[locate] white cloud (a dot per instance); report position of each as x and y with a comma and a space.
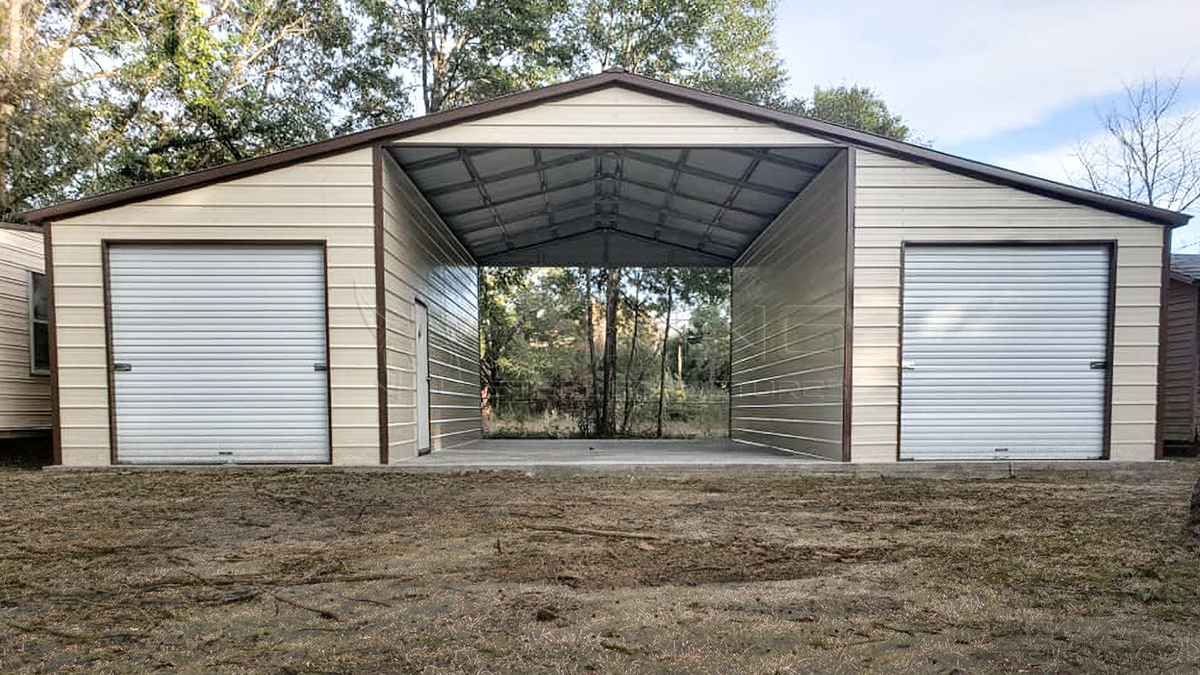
1060, 164
959, 71
1057, 163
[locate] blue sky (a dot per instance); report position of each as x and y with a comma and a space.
1016, 83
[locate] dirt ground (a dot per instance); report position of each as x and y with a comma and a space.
287, 571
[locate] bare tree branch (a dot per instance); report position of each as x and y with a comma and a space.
1150, 151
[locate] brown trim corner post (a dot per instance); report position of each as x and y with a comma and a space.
380, 301
1163, 298
848, 338
55, 415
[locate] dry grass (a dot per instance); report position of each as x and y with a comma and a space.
292, 571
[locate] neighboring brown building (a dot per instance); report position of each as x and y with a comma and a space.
1181, 376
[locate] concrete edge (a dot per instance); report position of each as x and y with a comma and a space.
921, 470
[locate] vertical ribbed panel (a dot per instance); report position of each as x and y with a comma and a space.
1179, 374
789, 313
424, 262
220, 343
1003, 352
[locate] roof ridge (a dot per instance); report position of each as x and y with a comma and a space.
622, 78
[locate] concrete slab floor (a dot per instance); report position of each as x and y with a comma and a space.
681, 459
517, 453
701, 458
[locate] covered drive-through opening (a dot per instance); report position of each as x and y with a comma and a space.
778, 216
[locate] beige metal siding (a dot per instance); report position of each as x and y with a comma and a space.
789, 301
899, 200
328, 199
1180, 369
24, 398
423, 261
614, 116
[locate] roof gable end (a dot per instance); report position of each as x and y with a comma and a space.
617, 80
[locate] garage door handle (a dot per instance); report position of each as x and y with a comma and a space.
908, 365
320, 367
122, 367
1098, 365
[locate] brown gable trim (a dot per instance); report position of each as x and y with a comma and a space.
916, 153
679, 93
22, 227
319, 149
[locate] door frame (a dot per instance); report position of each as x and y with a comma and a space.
1109, 244
105, 246
417, 385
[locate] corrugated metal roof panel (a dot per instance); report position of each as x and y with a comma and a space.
704, 205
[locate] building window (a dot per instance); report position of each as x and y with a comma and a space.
39, 324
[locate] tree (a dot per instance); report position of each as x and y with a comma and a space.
1150, 151
738, 56
608, 365
668, 283
725, 46
462, 52
202, 83
39, 114
856, 107
498, 323
100, 95
633, 376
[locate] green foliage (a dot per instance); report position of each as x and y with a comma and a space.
49, 149
105, 95
212, 83
101, 95
856, 107
724, 46
537, 365
737, 56
462, 52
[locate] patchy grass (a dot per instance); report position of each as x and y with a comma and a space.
291, 571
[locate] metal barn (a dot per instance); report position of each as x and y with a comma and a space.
890, 302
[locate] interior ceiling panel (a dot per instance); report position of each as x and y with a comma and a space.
609, 206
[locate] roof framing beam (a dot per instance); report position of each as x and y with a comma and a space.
603, 222
775, 158
733, 194
465, 157
485, 258
511, 173
586, 181
710, 175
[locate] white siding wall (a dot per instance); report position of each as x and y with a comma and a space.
613, 116
423, 261
24, 398
789, 299
899, 200
328, 199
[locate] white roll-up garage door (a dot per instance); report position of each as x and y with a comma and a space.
219, 353
1004, 352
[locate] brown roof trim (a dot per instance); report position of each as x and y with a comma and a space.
22, 227
676, 92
